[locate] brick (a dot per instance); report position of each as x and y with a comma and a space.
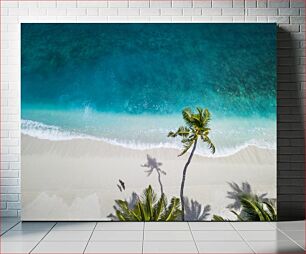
297, 3
160, 19
202, 3
262, 19
108, 11
262, 12
76, 12
14, 205
149, 12
262, 3
278, 3
222, 3
10, 189
202, 19
160, 4
93, 4
9, 197
181, 3
91, 19
9, 213
250, 3
211, 11
172, 11
9, 173
47, 4
139, 4
297, 20
182, 19
222, 19
92, 11
289, 11
38, 11
18, 12
233, 11
128, 12
9, 4
238, 3
118, 4
9, 181
279, 20
66, 4
57, 12
192, 11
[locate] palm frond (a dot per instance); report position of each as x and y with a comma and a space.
187, 146
181, 131
218, 218
188, 116
210, 144
173, 211
148, 208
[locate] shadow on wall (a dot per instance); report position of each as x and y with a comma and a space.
290, 130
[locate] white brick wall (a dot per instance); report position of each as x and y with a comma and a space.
290, 14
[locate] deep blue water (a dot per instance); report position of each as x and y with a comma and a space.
129, 82
151, 68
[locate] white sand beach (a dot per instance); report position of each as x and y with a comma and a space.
77, 179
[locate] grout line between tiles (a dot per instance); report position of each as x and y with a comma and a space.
290, 238
90, 236
193, 238
43, 238
246, 242
143, 232
10, 228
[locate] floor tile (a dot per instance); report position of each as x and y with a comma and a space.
68, 236
273, 235
290, 225
33, 226
63, 226
276, 247
17, 247
252, 225
114, 247
223, 247
211, 226
7, 226
23, 236
99, 236
167, 236
118, 226
297, 235
216, 236
60, 247
169, 247
9, 220
166, 226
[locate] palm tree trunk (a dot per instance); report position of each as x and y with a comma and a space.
183, 179
160, 183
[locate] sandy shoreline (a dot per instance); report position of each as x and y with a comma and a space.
76, 179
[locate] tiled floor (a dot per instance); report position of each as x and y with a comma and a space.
138, 237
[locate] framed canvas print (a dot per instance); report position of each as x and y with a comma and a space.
148, 122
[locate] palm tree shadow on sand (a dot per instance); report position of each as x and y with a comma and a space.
131, 203
194, 211
153, 165
237, 192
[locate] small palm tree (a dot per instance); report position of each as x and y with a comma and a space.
253, 209
196, 127
148, 208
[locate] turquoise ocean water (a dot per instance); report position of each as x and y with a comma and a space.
126, 84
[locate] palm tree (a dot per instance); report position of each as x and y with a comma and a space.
196, 127
148, 208
253, 209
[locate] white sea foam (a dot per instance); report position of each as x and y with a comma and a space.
55, 133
